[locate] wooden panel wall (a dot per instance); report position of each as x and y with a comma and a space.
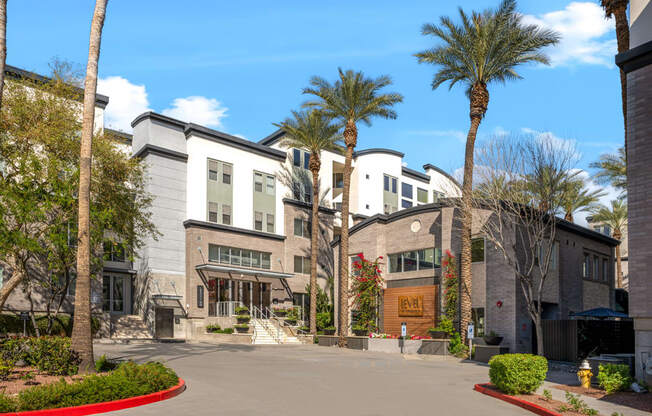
415, 325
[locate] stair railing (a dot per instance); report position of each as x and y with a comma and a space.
261, 317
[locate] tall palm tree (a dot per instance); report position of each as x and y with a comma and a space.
576, 197
82, 341
3, 45
612, 170
485, 48
618, 9
313, 131
353, 98
616, 218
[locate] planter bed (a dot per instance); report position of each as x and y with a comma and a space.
218, 338
531, 402
639, 401
15, 383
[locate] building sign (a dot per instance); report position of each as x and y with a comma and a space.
411, 305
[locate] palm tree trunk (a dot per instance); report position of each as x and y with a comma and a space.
622, 37
350, 139
82, 341
467, 220
314, 245
3, 45
569, 216
619, 269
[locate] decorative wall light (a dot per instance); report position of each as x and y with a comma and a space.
499, 303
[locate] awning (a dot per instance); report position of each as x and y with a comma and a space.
239, 270
600, 313
168, 301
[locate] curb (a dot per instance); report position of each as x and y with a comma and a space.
90, 409
513, 400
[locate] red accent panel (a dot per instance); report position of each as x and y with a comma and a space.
534, 408
91, 409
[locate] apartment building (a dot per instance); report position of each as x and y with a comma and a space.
235, 219
413, 240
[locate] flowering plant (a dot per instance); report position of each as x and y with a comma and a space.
383, 336
367, 287
451, 285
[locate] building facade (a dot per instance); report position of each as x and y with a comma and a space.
412, 241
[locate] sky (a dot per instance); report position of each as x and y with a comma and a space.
239, 67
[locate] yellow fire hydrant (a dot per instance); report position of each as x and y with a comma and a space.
584, 374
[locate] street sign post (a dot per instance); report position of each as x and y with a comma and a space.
24, 316
469, 335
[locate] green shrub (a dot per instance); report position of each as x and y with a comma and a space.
614, 377
243, 319
518, 373
128, 380
241, 326
6, 367
226, 331
61, 325
103, 364
14, 349
304, 329
241, 310
213, 328
323, 319
51, 355
292, 314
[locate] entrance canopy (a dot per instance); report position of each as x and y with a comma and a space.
234, 272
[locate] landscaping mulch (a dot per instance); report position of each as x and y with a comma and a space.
15, 384
552, 404
638, 401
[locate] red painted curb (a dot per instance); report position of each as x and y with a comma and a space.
534, 408
91, 409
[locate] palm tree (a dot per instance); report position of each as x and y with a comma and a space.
3, 44
315, 132
576, 197
353, 98
616, 218
612, 170
82, 341
618, 9
485, 48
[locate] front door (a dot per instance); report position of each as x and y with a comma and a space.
164, 323
116, 292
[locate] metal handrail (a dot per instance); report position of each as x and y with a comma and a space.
258, 315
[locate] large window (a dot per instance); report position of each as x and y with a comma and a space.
422, 196
605, 270
219, 192
586, 266
408, 261
114, 251
406, 190
301, 227
553, 255
296, 157
239, 257
338, 180
302, 265
477, 250
596, 268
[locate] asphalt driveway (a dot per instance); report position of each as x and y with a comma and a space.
311, 380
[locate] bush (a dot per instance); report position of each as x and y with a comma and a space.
61, 325
304, 329
128, 380
6, 367
213, 328
226, 331
614, 377
103, 364
51, 355
323, 320
241, 310
518, 373
241, 326
243, 319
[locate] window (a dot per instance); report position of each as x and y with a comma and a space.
200, 296
212, 212
422, 196
478, 321
553, 255
389, 183
270, 185
424, 259
258, 182
436, 196
605, 270
226, 174
306, 160
302, 227
405, 203
596, 268
212, 170
258, 221
586, 266
394, 185
270, 223
338, 180
477, 250
113, 251
296, 157
406, 190
226, 214
238, 257
337, 206
386, 183
352, 260
302, 265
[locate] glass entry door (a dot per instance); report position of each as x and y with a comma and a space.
114, 294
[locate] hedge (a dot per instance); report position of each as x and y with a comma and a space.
61, 325
51, 355
517, 373
614, 377
128, 380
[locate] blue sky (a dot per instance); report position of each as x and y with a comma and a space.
239, 67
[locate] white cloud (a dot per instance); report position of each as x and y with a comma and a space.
557, 142
197, 109
126, 101
587, 36
459, 135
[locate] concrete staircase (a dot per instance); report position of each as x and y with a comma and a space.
129, 327
267, 333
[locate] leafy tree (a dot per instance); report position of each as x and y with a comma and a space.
352, 99
313, 131
612, 170
616, 218
576, 197
82, 339
485, 48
